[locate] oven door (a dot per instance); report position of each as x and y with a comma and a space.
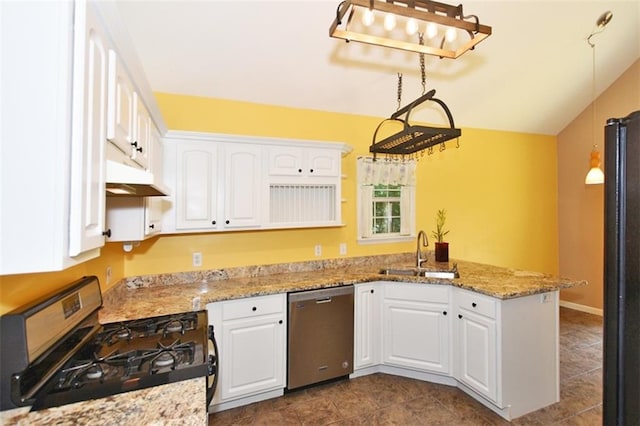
212, 380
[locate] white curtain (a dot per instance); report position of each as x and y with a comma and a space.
385, 172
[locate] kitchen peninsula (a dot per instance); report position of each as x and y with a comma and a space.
492, 332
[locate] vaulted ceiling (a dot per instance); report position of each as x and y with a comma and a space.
532, 75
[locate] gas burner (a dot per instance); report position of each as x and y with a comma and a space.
164, 359
174, 326
95, 372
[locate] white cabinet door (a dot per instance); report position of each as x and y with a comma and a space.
120, 123
476, 352
252, 353
303, 162
141, 143
87, 200
476, 342
242, 186
251, 339
196, 188
367, 325
323, 162
415, 327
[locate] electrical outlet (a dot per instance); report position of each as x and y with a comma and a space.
318, 250
197, 258
108, 275
343, 248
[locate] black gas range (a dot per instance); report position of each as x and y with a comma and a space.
54, 351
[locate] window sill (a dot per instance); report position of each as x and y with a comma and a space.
386, 240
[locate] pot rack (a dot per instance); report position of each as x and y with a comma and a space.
414, 138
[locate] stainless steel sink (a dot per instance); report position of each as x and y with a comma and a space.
421, 272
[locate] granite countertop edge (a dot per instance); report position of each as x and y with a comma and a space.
162, 294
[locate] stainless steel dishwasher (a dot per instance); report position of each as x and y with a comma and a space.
320, 335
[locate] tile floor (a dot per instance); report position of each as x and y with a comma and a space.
385, 399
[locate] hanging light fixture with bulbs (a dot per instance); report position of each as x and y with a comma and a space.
595, 175
375, 22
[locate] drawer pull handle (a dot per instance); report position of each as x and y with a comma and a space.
324, 300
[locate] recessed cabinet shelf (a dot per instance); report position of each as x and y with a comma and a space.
295, 204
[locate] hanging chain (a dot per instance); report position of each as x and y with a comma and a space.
422, 66
399, 90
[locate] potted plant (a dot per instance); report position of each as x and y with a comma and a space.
442, 248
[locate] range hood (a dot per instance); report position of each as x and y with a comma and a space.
126, 181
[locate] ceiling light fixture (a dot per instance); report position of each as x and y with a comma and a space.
415, 17
595, 175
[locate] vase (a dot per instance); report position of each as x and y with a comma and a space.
442, 252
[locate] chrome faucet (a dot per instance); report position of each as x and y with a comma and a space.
425, 243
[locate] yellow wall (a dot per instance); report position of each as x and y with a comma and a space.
17, 290
581, 207
501, 209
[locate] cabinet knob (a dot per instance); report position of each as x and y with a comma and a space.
460, 316
254, 309
152, 226
474, 304
444, 312
280, 322
226, 221
213, 222
107, 233
310, 170
371, 291
134, 144
299, 170
139, 149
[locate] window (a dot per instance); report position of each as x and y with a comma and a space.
386, 200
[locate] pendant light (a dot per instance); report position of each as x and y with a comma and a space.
595, 175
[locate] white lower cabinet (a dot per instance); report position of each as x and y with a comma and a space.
476, 344
504, 353
367, 333
415, 327
251, 336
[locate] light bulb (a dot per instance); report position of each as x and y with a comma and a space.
451, 34
389, 22
412, 26
368, 17
432, 30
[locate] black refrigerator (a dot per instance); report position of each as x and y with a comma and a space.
621, 334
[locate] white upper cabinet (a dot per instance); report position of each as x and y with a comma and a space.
242, 186
196, 186
309, 162
87, 201
55, 73
224, 182
121, 106
129, 124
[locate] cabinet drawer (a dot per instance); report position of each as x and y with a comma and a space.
252, 306
417, 292
474, 302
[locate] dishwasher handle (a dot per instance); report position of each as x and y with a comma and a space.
324, 295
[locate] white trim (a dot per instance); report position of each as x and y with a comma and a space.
384, 240
582, 308
223, 137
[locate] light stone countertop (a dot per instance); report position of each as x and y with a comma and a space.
152, 295
182, 403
